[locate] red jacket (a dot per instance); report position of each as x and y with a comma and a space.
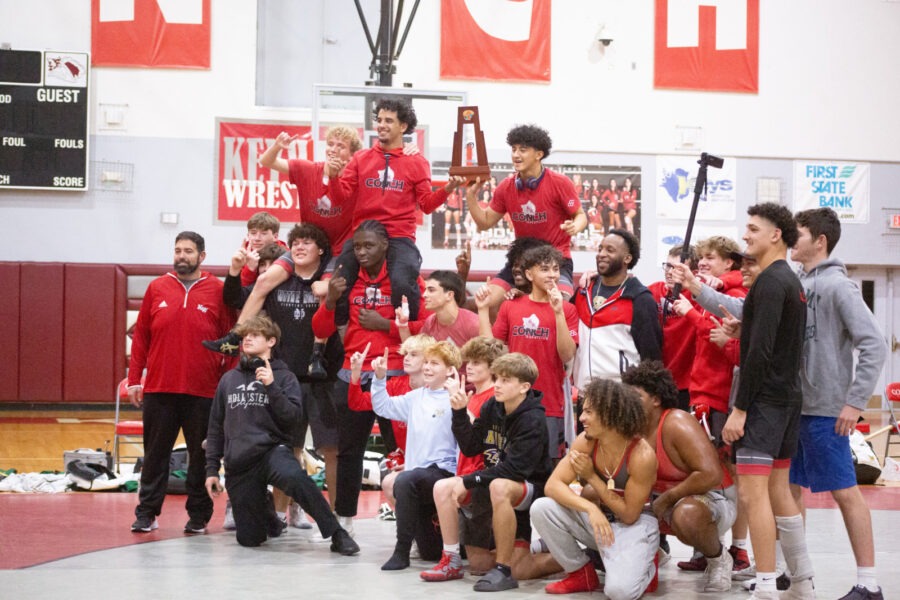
391, 199
170, 326
679, 337
711, 373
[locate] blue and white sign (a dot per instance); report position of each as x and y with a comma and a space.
843, 187
675, 180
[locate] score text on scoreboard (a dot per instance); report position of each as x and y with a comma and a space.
44, 119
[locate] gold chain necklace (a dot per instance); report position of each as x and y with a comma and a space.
610, 484
599, 300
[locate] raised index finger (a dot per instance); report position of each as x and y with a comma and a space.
365, 351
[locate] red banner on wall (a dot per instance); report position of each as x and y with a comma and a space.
151, 33
243, 187
708, 45
499, 40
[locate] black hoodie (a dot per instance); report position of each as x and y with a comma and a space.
248, 418
514, 446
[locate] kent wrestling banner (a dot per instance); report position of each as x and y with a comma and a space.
242, 186
151, 33
497, 40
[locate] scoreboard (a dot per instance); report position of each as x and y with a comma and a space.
44, 119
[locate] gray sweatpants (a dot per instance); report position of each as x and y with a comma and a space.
628, 562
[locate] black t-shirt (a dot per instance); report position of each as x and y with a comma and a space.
772, 331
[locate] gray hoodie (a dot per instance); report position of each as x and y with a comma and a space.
837, 322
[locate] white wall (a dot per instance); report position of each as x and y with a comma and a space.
828, 89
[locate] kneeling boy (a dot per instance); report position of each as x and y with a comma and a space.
255, 408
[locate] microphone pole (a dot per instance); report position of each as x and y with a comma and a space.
706, 160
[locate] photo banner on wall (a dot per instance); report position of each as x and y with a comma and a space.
242, 186
610, 195
151, 33
841, 186
675, 180
710, 45
496, 40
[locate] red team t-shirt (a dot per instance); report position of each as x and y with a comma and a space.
529, 327
538, 213
315, 205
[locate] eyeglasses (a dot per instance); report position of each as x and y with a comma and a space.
667, 266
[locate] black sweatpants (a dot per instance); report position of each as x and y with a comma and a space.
415, 510
247, 492
354, 428
164, 415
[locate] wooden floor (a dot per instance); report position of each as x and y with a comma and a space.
35, 440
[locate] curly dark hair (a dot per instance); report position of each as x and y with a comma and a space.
633, 243
779, 216
655, 379
530, 136
308, 231
544, 254
518, 247
618, 406
821, 221
405, 112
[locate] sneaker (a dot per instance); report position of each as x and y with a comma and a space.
144, 525
697, 563
229, 344
317, 364
664, 553
342, 543
449, 568
782, 582
495, 580
195, 526
386, 513
741, 559
228, 524
583, 580
860, 592
718, 573
745, 573
297, 517
800, 590
414, 553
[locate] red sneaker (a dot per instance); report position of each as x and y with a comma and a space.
697, 563
741, 558
583, 580
448, 569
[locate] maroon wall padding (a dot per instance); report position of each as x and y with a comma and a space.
89, 333
41, 332
119, 325
9, 331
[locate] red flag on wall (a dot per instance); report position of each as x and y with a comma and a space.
708, 45
499, 40
151, 33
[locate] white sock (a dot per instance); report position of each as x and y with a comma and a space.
742, 544
280, 515
780, 564
451, 548
865, 576
765, 582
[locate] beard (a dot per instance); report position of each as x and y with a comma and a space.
614, 267
186, 268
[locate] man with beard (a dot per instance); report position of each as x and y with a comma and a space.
179, 310
618, 322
